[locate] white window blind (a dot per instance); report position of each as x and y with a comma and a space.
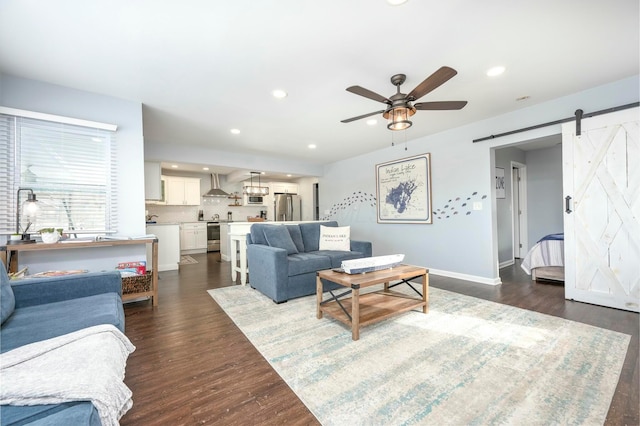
71, 169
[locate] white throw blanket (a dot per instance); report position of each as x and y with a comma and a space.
86, 365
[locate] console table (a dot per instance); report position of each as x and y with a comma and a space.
9, 255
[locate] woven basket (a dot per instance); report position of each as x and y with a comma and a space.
136, 284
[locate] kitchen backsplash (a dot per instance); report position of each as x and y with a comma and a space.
210, 208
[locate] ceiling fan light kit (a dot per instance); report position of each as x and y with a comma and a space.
400, 107
399, 118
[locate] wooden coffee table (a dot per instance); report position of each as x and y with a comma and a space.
359, 310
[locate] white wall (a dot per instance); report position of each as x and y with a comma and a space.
545, 204
464, 244
51, 99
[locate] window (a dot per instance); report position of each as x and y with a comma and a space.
69, 164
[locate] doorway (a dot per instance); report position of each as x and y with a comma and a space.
316, 202
519, 209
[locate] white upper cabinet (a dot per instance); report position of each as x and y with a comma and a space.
284, 188
152, 172
182, 191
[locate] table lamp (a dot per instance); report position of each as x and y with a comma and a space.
29, 209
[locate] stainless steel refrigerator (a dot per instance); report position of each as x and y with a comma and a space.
287, 207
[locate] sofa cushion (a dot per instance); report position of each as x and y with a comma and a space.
296, 236
34, 323
337, 256
335, 238
303, 263
311, 234
278, 236
7, 299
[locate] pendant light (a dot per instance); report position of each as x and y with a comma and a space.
256, 190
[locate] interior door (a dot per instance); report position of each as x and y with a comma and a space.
518, 209
601, 175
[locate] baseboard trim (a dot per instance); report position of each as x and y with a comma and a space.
506, 263
474, 278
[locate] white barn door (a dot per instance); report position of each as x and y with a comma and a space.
602, 230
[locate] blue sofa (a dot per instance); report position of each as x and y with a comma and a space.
36, 309
281, 271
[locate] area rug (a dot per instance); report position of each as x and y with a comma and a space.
468, 361
187, 260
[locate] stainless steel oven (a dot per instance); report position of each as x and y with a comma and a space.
213, 236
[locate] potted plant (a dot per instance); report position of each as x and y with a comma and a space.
50, 235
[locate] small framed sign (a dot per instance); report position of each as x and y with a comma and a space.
500, 188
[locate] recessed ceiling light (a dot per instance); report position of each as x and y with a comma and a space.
396, 2
495, 71
174, 166
279, 94
311, 146
288, 175
205, 168
372, 122
235, 131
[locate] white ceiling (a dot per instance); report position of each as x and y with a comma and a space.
203, 67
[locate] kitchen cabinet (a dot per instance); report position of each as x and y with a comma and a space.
284, 188
182, 191
193, 237
163, 192
152, 172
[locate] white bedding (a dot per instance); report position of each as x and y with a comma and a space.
544, 253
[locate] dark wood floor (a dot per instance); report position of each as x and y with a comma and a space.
193, 366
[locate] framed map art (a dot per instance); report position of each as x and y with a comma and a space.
403, 190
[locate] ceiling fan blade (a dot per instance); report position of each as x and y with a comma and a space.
368, 94
349, 120
432, 82
444, 105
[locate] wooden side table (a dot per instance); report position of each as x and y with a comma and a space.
9, 255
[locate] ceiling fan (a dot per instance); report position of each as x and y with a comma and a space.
399, 106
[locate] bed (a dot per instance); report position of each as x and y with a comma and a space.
545, 260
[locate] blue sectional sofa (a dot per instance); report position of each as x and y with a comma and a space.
36, 309
283, 265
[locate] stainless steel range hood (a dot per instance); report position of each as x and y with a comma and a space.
215, 190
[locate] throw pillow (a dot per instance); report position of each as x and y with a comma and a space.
335, 238
278, 236
296, 236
